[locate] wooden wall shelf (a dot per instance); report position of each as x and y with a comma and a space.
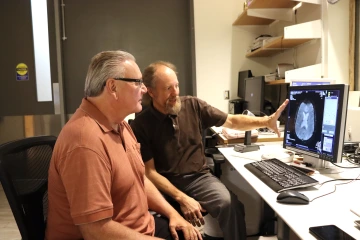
277, 82
277, 46
244, 19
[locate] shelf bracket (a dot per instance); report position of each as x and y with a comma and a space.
284, 14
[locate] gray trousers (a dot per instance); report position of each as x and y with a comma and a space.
217, 200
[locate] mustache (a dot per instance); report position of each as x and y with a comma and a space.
177, 98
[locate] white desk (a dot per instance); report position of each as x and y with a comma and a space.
330, 209
261, 137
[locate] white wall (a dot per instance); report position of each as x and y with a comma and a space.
220, 48
337, 20
213, 32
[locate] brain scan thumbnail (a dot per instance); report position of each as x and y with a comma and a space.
305, 121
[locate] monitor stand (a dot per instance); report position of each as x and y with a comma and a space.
247, 146
320, 165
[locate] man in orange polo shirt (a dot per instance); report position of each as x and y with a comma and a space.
97, 187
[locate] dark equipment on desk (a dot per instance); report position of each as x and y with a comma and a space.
279, 176
292, 197
247, 146
241, 83
329, 232
237, 106
350, 147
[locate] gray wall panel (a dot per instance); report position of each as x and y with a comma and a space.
150, 30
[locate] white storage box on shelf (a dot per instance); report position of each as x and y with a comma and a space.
270, 77
312, 29
312, 71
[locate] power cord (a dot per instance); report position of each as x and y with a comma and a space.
349, 160
342, 179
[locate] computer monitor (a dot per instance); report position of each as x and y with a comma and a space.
315, 123
311, 81
254, 94
241, 82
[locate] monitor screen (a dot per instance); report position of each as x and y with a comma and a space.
310, 82
241, 82
315, 121
254, 94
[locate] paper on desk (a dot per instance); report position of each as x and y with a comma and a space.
257, 155
232, 134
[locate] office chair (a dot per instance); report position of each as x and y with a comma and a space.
24, 166
213, 156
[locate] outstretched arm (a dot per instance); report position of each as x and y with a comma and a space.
243, 122
189, 206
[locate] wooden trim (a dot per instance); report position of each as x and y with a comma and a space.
272, 4
29, 125
277, 82
352, 44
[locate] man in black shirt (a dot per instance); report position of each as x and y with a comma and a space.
170, 134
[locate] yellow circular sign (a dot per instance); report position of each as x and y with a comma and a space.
21, 69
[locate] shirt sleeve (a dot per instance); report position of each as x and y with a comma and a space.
209, 115
141, 136
87, 182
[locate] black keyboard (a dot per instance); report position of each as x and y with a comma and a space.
279, 176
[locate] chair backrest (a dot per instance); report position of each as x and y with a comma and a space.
24, 166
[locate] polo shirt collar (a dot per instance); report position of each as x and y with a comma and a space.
96, 114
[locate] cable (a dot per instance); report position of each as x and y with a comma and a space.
340, 179
351, 158
343, 167
352, 180
295, 49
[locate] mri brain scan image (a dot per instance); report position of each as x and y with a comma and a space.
305, 121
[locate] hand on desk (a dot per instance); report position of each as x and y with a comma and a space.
192, 211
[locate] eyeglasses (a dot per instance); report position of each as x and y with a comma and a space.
138, 82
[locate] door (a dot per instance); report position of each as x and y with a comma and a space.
21, 114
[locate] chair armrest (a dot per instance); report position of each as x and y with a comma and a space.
218, 158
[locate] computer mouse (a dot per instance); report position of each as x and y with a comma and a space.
292, 197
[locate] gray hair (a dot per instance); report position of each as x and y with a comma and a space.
105, 65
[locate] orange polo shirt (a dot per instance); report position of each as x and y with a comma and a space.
96, 173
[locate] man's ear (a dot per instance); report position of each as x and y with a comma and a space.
150, 92
111, 87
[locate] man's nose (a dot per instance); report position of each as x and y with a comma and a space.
174, 91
